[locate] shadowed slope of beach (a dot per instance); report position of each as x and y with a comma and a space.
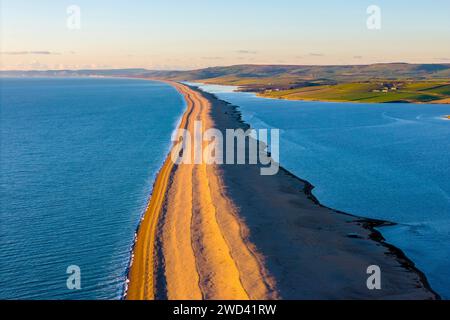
226, 232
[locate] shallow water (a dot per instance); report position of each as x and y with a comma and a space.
384, 161
78, 159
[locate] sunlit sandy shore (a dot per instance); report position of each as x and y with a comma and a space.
226, 232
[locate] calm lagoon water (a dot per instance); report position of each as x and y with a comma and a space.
78, 160
384, 161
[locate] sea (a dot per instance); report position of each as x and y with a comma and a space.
384, 161
78, 158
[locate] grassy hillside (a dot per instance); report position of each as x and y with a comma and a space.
391, 71
393, 82
409, 91
396, 82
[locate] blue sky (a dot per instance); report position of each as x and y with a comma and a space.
182, 34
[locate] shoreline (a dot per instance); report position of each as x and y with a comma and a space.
376, 235
176, 126
149, 221
261, 95
149, 262
443, 102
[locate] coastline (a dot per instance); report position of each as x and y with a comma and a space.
287, 98
135, 290
176, 126
443, 102
349, 242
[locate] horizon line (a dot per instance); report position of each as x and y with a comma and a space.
225, 66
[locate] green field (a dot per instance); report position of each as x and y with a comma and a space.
381, 92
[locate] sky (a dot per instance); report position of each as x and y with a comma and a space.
191, 34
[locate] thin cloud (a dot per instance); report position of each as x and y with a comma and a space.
18, 53
357, 57
212, 58
246, 52
442, 59
315, 54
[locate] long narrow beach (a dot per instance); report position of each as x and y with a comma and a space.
226, 232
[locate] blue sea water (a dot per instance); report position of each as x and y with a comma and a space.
77, 163
383, 161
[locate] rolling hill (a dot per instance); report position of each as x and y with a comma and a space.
387, 82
